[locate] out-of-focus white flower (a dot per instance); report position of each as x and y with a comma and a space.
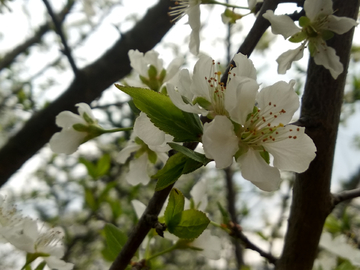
205, 93
192, 9
199, 198
339, 246
149, 144
318, 25
151, 69
209, 244
252, 134
76, 129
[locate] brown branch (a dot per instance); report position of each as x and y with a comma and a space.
320, 114
9, 58
237, 233
59, 31
345, 195
90, 83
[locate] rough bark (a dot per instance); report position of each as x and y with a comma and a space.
320, 114
88, 85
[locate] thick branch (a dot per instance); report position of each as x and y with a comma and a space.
320, 114
9, 58
59, 31
90, 83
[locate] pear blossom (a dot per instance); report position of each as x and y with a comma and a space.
318, 25
76, 129
151, 68
149, 144
205, 94
192, 9
250, 135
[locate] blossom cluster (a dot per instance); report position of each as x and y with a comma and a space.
25, 234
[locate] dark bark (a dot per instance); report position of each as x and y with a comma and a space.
88, 85
320, 114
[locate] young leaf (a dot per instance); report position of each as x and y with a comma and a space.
175, 166
190, 153
91, 168
115, 240
103, 165
164, 114
188, 224
175, 205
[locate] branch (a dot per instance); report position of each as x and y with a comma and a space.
87, 86
6, 60
345, 195
237, 233
59, 31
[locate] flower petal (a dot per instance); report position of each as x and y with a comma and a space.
173, 68
138, 171
139, 208
244, 67
152, 58
281, 24
202, 71
220, 142
240, 98
85, 108
292, 154
210, 244
279, 102
285, 60
255, 169
326, 56
138, 63
339, 25
198, 193
316, 8
126, 152
194, 22
55, 263
146, 131
67, 119
67, 141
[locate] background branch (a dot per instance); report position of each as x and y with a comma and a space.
345, 195
9, 58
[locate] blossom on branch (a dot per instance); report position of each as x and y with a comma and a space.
149, 144
318, 26
76, 129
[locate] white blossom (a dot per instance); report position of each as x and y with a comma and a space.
149, 144
263, 131
68, 140
318, 26
192, 9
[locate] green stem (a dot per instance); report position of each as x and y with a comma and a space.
223, 4
117, 130
219, 226
162, 252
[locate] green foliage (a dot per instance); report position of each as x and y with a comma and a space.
190, 153
175, 205
164, 114
115, 240
99, 169
176, 165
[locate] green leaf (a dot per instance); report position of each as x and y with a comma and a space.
188, 224
115, 240
40, 266
224, 213
333, 225
163, 113
175, 205
190, 153
175, 166
91, 168
103, 165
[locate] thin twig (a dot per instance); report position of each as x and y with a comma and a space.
59, 31
345, 195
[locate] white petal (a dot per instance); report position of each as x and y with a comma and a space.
278, 97
339, 25
209, 243
146, 131
285, 60
137, 62
202, 72
55, 263
67, 119
138, 171
292, 154
240, 98
173, 68
255, 169
326, 56
126, 152
244, 66
314, 8
152, 58
85, 108
198, 193
194, 22
281, 24
139, 208
67, 141
220, 142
